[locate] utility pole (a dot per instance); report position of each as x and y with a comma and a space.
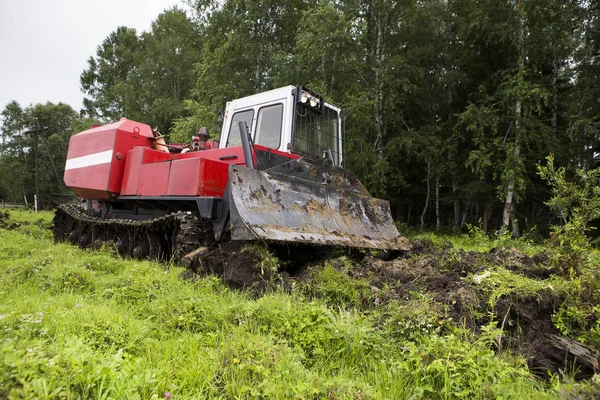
37, 173
60, 182
36, 197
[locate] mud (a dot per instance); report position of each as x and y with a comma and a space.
447, 274
240, 268
526, 321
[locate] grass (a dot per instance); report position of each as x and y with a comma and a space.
475, 240
80, 325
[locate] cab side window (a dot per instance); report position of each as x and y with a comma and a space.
268, 131
233, 137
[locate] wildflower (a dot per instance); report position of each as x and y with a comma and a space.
236, 361
77, 305
168, 395
405, 348
377, 300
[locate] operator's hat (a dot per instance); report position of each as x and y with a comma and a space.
203, 132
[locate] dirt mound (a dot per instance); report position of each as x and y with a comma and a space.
405, 276
526, 319
517, 261
453, 277
533, 335
248, 267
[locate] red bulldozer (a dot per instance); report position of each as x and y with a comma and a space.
274, 175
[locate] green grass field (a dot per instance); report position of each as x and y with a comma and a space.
76, 324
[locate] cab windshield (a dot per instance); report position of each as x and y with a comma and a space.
316, 133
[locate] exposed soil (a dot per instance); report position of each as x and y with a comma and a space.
238, 267
526, 319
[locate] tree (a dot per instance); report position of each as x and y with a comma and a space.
146, 77
514, 118
165, 75
247, 45
17, 154
107, 83
446, 102
584, 112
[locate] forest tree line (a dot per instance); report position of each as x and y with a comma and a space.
449, 105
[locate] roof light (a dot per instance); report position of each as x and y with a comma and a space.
304, 97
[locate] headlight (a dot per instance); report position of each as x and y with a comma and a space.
309, 100
304, 97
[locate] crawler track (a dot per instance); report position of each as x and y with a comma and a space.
168, 237
183, 238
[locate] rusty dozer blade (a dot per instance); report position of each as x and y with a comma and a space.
308, 202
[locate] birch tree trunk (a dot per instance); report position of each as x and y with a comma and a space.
437, 203
555, 72
456, 223
510, 189
510, 185
515, 223
379, 85
427, 198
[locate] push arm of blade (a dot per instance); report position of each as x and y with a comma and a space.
246, 144
258, 158
220, 224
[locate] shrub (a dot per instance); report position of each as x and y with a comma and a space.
577, 203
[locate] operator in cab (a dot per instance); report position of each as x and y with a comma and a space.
201, 141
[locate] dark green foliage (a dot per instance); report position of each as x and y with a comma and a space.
576, 202
464, 96
17, 155
106, 79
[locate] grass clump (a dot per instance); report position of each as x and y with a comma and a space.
411, 319
333, 283
498, 282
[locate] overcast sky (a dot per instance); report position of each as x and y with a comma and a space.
45, 44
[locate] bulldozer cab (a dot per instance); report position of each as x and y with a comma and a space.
291, 119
